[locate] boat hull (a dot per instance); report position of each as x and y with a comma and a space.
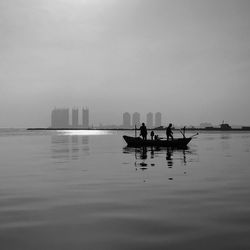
139, 142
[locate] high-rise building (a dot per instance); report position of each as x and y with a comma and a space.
149, 121
126, 120
60, 118
85, 118
75, 120
157, 119
136, 119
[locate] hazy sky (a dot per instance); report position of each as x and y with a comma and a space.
188, 59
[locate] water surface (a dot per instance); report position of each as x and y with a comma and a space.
87, 190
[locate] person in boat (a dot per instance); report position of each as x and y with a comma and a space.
152, 135
169, 132
144, 131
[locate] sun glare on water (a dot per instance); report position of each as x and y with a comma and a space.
85, 132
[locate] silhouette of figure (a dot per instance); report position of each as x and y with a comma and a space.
144, 132
152, 135
169, 132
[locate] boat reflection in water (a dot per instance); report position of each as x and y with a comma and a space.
146, 157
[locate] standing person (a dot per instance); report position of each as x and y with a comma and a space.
144, 131
169, 132
152, 135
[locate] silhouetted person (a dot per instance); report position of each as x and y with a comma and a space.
144, 131
152, 135
169, 132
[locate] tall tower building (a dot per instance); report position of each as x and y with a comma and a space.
158, 119
126, 120
75, 120
136, 119
149, 121
53, 118
85, 118
60, 118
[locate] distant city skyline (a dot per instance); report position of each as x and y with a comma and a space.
63, 118
71, 117
67, 117
187, 59
130, 120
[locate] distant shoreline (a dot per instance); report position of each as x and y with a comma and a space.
155, 129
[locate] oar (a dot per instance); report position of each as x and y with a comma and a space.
194, 135
182, 134
183, 131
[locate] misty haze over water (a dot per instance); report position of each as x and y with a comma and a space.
187, 59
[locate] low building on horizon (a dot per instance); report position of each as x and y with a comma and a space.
205, 124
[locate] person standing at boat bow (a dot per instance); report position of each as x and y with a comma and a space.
169, 132
144, 131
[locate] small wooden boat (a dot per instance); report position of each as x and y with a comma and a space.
139, 142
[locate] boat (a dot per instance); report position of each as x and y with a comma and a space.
139, 142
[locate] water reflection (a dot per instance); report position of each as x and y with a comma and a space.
74, 147
153, 156
169, 157
225, 136
225, 142
60, 147
66, 147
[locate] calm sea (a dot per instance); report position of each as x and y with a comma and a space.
86, 190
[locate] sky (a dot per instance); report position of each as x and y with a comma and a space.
188, 59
